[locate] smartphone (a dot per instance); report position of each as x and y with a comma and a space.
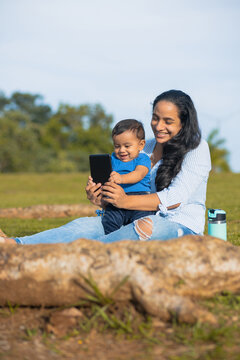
100, 167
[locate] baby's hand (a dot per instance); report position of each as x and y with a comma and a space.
115, 177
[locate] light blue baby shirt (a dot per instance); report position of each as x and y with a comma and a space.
188, 188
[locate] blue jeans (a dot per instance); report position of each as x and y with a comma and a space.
91, 228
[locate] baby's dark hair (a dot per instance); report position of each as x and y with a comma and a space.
129, 125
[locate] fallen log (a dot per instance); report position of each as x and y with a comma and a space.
164, 278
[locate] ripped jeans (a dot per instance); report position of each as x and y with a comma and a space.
152, 227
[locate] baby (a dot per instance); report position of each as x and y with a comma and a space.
131, 169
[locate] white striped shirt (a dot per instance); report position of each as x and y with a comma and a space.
188, 188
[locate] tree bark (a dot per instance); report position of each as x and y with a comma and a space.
164, 278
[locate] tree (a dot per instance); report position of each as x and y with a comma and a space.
98, 118
18, 145
33, 138
3, 101
219, 155
31, 105
83, 128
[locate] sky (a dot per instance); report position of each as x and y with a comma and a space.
122, 54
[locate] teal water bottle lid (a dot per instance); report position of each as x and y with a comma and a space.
216, 214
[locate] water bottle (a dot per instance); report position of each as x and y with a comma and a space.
217, 225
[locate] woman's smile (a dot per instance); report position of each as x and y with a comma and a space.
161, 135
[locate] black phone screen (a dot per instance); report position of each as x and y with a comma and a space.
100, 167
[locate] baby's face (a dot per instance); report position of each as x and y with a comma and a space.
127, 146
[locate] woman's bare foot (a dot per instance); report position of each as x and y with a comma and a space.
6, 240
2, 234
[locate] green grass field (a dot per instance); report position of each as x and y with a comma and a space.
20, 190
199, 341
224, 193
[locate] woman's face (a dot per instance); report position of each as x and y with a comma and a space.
165, 121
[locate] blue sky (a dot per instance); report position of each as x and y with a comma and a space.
123, 54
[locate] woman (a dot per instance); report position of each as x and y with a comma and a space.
180, 168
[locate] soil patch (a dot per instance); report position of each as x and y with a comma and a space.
48, 211
35, 333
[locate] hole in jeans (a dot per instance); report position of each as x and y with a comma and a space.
180, 232
143, 228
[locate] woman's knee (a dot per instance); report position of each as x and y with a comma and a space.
144, 228
156, 228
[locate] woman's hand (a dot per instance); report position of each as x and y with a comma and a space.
94, 192
114, 194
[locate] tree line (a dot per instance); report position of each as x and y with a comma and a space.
34, 138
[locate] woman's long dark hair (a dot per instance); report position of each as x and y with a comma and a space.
187, 138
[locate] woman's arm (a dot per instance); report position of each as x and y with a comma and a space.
117, 197
193, 174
